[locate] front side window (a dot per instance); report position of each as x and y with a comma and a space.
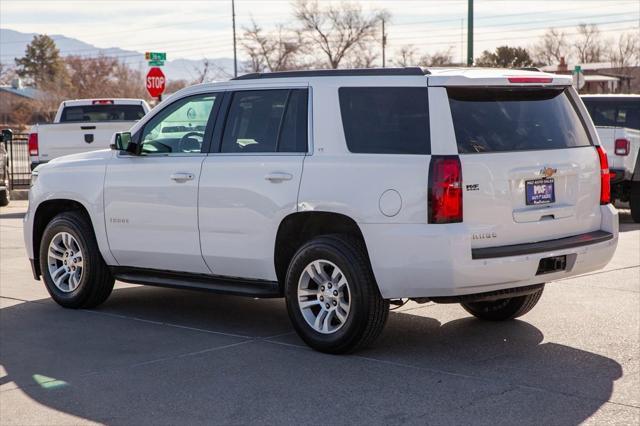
180, 127
385, 120
261, 121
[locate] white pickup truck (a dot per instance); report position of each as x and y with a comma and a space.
617, 120
83, 125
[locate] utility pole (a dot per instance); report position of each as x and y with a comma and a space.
384, 45
470, 34
235, 58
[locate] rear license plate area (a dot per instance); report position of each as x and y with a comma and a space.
549, 265
539, 191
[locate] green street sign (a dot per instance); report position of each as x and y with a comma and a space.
156, 63
577, 69
155, 56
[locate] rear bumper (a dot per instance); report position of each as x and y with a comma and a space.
437, 261
572, 242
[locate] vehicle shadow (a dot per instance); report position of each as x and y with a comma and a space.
125, 363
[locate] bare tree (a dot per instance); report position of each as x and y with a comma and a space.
7, 74
406, 56
588, 44
364, 55
209, 71
441, 58
336, 30
627, 50
275, 51
552, 46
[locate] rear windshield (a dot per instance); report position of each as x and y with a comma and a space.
102, 113
385, 120
614, 112
501, 119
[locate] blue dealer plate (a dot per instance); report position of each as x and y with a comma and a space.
539, 191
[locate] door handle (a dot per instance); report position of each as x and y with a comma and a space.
278, 176
182, 177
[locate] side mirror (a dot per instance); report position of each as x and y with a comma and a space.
6, 135
124, 142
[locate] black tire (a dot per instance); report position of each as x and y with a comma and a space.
96, 282
503, 309
368, 310
5, 196
634, 201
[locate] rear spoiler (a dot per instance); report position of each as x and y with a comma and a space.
513, 78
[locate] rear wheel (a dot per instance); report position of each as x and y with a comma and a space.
634, 201
332, 297
503, 309
72, 267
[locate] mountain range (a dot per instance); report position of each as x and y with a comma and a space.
13, 45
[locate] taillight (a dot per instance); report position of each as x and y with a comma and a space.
622, 147
102, 102
33, 144
605, 178
445, 189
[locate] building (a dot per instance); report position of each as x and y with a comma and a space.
17, 104
601, 77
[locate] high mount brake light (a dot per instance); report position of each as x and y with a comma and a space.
622, 147
530, 79
102, 102
33, 144
605, 177
445, 189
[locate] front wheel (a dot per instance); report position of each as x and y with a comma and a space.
332, 297
72, 267
503, 309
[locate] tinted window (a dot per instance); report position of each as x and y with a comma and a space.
614, 112
254, 121
179, 127
385, 120
293, 134
102, 113
499, 119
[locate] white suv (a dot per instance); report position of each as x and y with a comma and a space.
341, 190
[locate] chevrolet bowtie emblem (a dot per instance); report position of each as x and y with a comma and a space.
548, 171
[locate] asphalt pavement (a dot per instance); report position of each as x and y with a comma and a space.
153, 356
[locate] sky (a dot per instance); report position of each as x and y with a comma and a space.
202, 28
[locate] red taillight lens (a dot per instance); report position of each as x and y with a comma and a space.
530, 79
605, 178
622, 147
445, 189
33, 144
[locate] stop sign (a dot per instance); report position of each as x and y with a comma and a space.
155, 82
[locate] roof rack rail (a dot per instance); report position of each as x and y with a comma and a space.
336, 73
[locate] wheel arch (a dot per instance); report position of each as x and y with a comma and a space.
43, 215
300, 227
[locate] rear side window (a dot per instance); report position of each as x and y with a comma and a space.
501, 119
385, 120
266, 121
614, 112
97, 113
